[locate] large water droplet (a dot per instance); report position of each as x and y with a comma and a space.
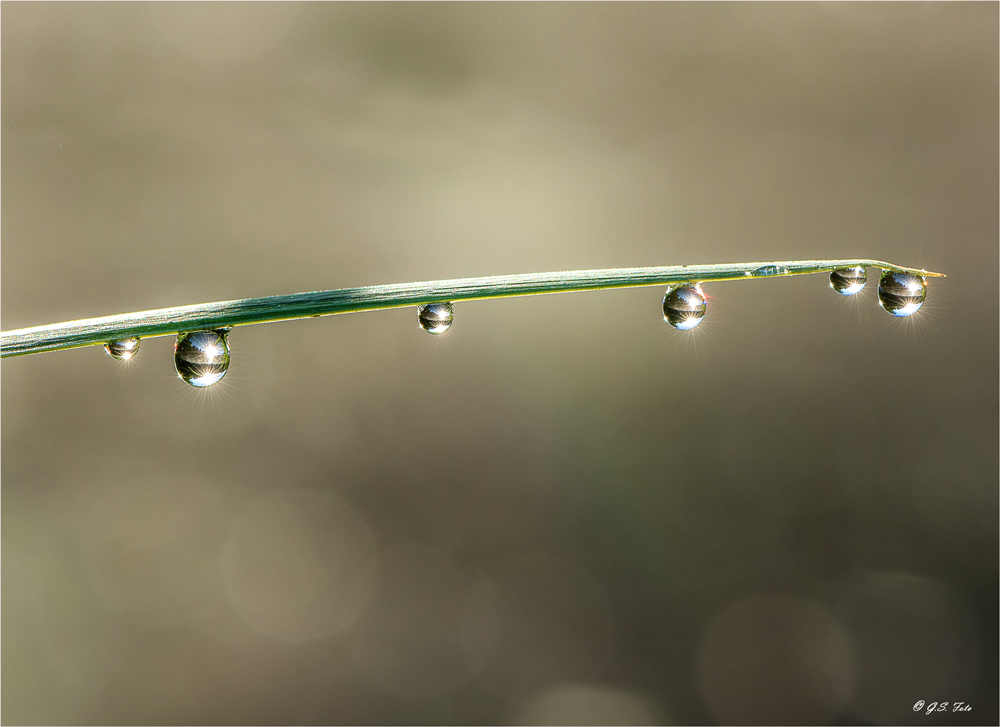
684, 306
122, 349
849, 281
901, 294
435, 317
202, 357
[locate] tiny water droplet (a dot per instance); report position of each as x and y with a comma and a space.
435, 317
684, 306
767, 270
849, 281
202, 357
122, 349
901, 294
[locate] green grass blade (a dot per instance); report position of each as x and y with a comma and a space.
170, 321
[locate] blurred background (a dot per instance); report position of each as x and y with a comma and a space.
562, 511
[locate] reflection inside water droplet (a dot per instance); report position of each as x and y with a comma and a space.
435, 317
122, 349
901, 294
684, 306
202, 357
849, 281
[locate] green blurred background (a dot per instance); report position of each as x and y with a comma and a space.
563, 511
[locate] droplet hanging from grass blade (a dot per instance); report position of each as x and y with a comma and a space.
901, 294
684, 306
123, 349
201, 358
849, 281
435, 318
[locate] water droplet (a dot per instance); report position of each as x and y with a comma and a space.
435, 317
767, 270
684, 306
901, 294
849, 281
202, 357
122, 349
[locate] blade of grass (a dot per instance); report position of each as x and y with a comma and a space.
169, 321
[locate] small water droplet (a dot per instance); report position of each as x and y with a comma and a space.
122, 349
202, 357
767, 270
435, 317
901, 294
849, 281
684, 306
